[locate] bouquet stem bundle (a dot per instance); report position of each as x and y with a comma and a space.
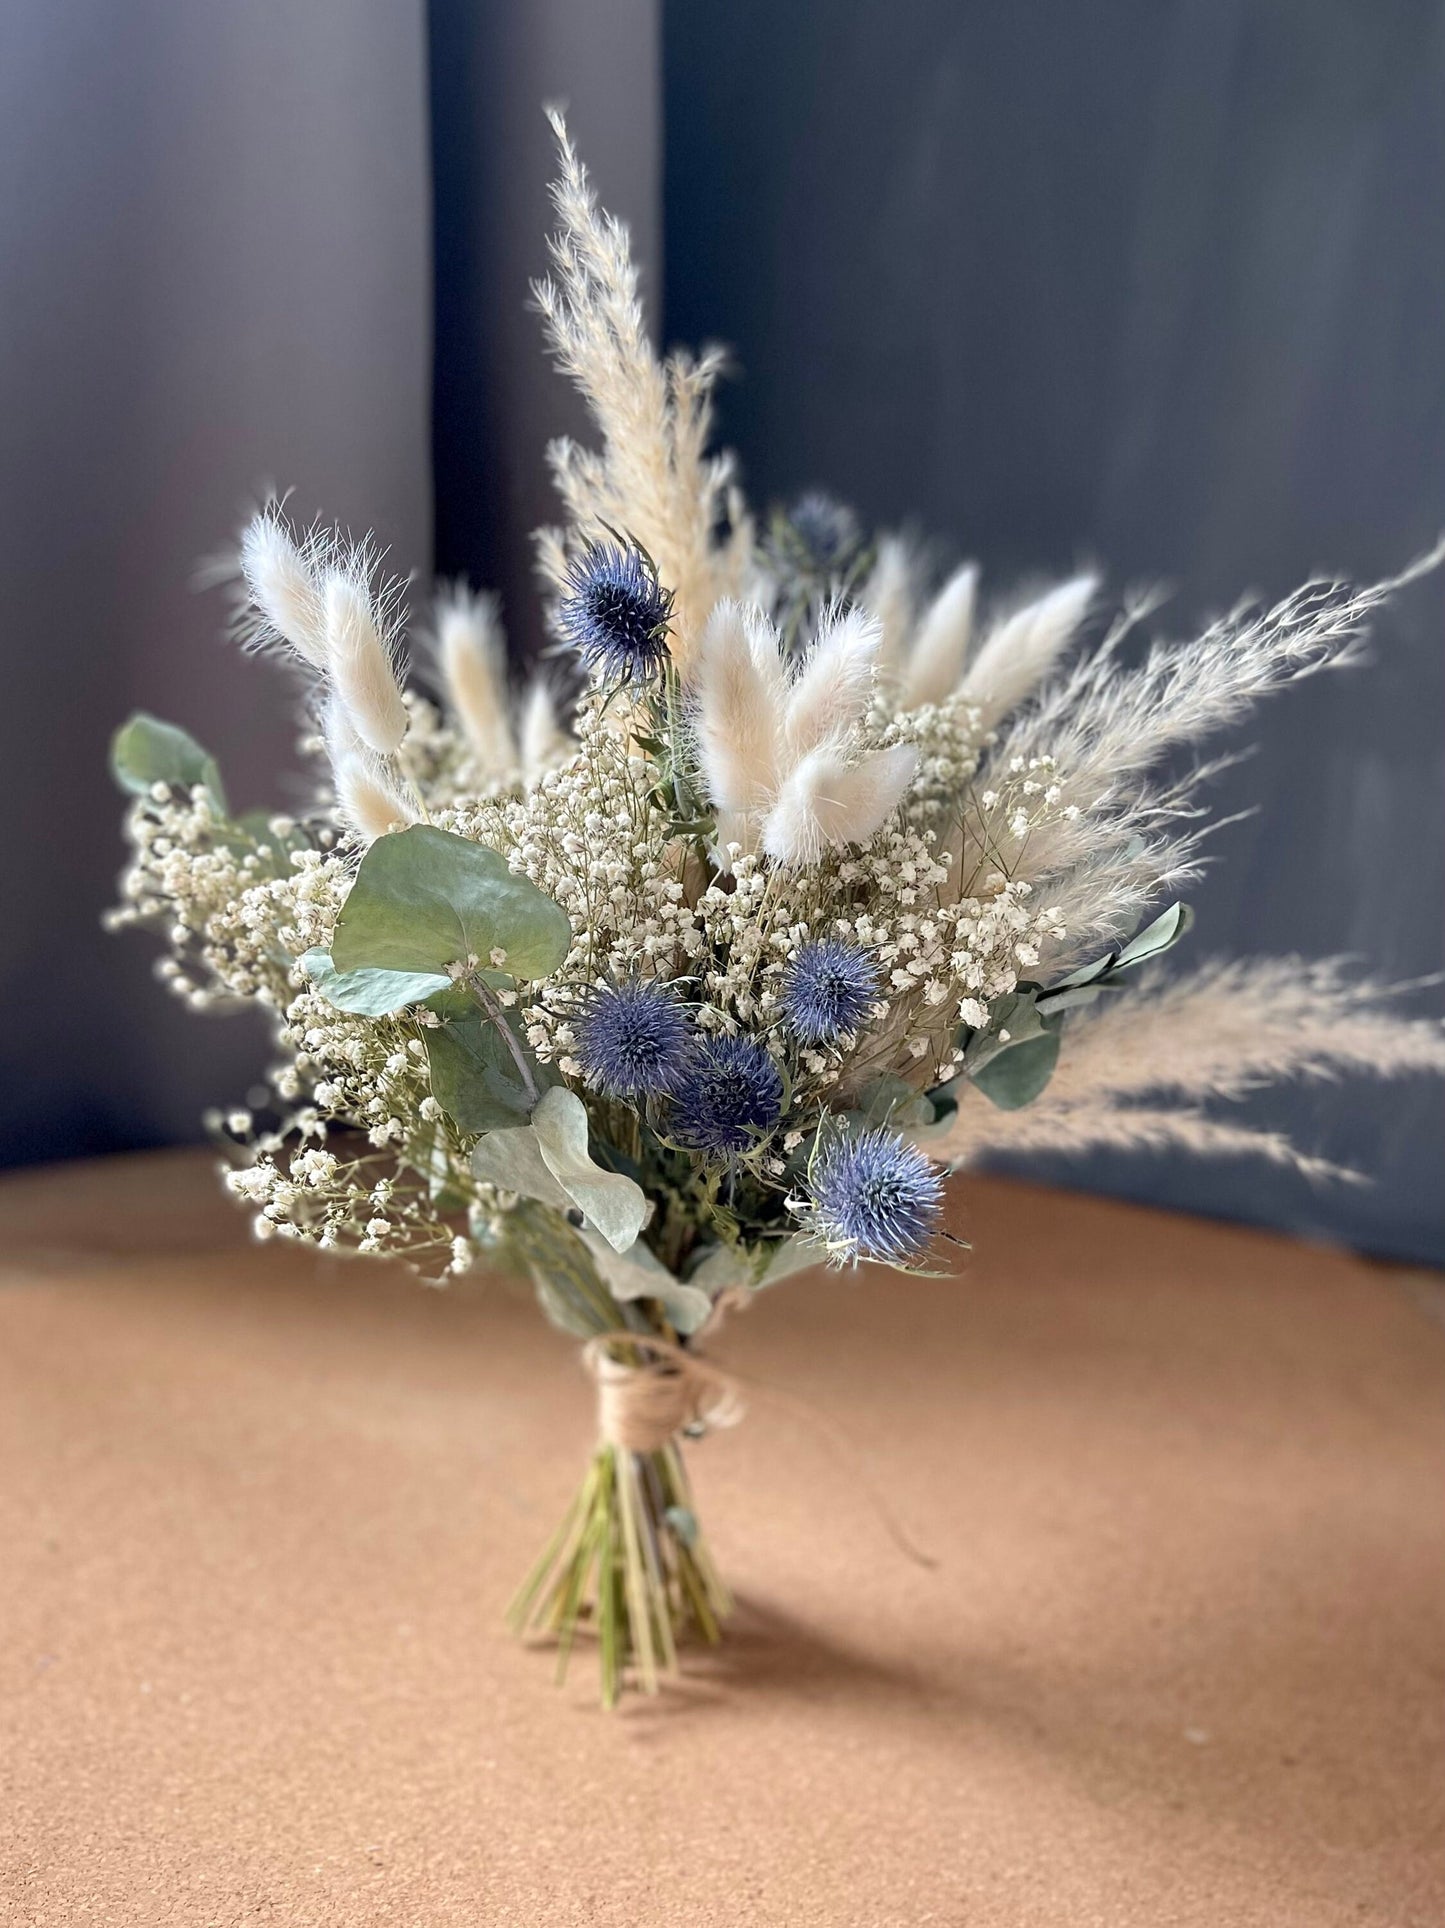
629, 1560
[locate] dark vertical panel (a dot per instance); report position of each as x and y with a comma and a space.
1158, 283
214, 273
496, 400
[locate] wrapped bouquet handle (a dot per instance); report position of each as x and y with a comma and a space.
629, 1556
645, 1402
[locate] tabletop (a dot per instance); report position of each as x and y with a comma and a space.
1180, 1660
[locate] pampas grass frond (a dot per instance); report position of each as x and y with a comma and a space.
1228, 1028
472, 653
1020, 651
935, 662
982, 1129
1217, 1034
653, 478
360, 663
1103, 722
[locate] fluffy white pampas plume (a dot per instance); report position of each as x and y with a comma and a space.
740, 694
360, 664
775, 755
890, 594
827, 800
472, 654
543, 742
1017, 655
831, 691
935, 662
366, 797
281, 583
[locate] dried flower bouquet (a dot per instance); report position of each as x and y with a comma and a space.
830, 887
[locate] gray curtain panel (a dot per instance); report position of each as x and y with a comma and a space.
215, 272
1160, 285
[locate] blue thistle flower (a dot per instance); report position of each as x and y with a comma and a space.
731, 1094
874, 1196
827, 989
615, 613
634, 1040
826, 529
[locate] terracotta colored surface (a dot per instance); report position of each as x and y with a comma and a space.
1183, 1660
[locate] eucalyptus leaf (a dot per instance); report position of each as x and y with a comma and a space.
474, 1077
638, 1273
369, 993
512, 1158
1017, 1014
616, 1205
1015, 1076
424, 898
888, 1100
563, 1307
146, 751
1074, 997
800, 1253
1156, 938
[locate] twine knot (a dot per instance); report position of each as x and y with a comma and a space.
645, 1401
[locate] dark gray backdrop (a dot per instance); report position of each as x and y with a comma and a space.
1157, 284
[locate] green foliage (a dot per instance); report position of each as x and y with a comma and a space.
548, 1160
474, 1076
370, 993
146, 751
424, 899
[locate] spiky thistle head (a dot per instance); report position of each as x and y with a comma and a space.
615, 613
634, 1040
731, 1096
828, 989
874, 1196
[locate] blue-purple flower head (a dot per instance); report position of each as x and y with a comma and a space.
730, 1096
826, 530
615, 613
634, 1040
874, 1196
828, 989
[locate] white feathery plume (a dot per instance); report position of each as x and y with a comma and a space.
935, 661
890, 593
282, 586
472, 653
830, 694
366, 797
1219, 1033
542, 739
1103, 721
1021, 650
982, 1128
739, 699
653, 476
360, 663
826, 800
1226, 1029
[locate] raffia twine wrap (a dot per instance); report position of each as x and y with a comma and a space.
644, 1402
